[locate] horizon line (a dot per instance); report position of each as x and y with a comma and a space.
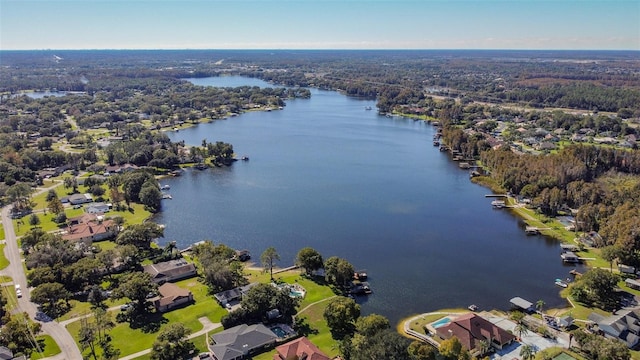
315, 49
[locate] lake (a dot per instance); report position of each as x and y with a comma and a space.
325, 173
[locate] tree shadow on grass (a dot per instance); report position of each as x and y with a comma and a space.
303, 328
147, 322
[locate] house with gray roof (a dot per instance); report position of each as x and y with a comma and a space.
235, 294
170, 270
624, 326
239, 341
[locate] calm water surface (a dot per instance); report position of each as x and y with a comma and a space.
325, 173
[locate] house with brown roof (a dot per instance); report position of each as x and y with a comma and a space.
91, 229
171, 296
471, 329
301, 349
172, 270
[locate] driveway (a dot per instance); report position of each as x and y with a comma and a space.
530, 338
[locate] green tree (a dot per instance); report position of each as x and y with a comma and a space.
269, 258
309, 259
136, 286
52, 296
150, 196
527, 352
338, 271
539, 305
172, 343
103, 323
484, 346
87, 337
55, 206
451, 348
20, 194
140, 235
18, 333
596, 286
70, 182
371, 324
521, 329
34, 220
341, 314
419, 350
385, 344
610, 254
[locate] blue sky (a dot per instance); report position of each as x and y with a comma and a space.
319, 24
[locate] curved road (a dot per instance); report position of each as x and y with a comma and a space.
68, 347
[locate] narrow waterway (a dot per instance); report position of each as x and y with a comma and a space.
326, 173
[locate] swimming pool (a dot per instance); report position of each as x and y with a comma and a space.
279, 332
442, 322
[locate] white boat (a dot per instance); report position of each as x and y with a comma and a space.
561, 283
165, 187
498, 204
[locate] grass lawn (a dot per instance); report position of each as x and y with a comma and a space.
133, 340
1, 232
4, 262
315, 293
419, 324
48, 346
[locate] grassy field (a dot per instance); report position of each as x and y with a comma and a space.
310, 310
133, 340
48, 346
4, 262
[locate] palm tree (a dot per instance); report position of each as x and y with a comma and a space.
483, 347
527, 352
539, 305
520, 329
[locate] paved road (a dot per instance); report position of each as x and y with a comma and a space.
68, 347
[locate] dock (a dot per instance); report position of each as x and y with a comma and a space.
496, 195
531, 230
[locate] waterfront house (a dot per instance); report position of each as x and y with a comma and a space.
235, 294
300, 348
623, 326
91, 230
171, 296
565, 321
471, 329
172, 270
239, 341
